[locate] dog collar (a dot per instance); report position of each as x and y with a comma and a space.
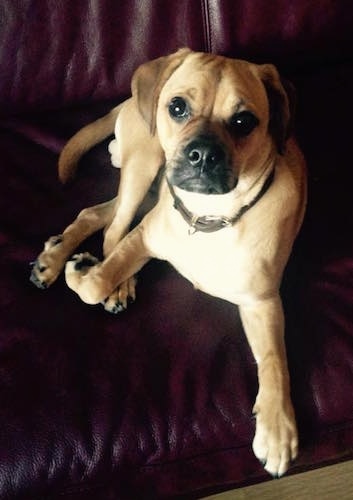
212, 223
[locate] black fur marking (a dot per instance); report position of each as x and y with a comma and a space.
82, 262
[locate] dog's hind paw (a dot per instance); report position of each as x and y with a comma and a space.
119, 300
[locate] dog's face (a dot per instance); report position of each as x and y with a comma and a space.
215, 118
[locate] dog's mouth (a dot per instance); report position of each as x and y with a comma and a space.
202, 185
203, 166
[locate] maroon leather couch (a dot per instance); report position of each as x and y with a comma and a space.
156, 402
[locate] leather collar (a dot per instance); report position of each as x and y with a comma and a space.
212, 223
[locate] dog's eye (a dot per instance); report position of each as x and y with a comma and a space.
179, 109
243, 123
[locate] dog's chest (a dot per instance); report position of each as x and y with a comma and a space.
216, 263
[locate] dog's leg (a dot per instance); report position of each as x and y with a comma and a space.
129, 199
58, 249
125, 210
136, 179
275, 443
94, 281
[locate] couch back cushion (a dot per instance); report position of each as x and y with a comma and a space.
53, 54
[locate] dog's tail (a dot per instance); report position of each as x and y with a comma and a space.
83, 140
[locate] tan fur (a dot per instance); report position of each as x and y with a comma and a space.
243, 263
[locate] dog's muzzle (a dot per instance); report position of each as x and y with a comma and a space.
203, 166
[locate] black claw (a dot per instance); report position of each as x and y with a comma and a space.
119, 308
35, 264
37, 282
58, 239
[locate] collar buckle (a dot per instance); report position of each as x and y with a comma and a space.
192, 227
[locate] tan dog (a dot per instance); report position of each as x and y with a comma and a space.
231, 201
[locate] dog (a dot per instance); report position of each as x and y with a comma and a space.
232, 196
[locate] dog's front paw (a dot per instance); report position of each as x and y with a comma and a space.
81, 274
47, 266
119, 300
276, 440
81, 262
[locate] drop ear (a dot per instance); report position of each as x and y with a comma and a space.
281, 98
148, 81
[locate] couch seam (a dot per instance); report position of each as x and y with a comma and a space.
205, 11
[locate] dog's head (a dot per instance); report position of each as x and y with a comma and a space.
216, 118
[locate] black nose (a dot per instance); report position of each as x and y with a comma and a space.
205, 154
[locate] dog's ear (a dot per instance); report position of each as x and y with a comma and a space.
148, 81
281, 98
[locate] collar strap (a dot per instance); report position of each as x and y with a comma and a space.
212, 223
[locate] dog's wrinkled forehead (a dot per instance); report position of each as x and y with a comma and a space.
214, 88
216, 85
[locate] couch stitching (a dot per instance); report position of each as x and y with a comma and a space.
205, 9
